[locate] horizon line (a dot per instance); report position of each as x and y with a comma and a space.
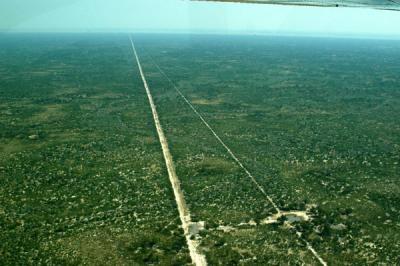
343, 35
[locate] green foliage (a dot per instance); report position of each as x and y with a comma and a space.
82, 177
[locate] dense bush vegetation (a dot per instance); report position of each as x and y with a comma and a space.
315, 121
82, 177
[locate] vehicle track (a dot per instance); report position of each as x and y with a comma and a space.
184, 214
236, 159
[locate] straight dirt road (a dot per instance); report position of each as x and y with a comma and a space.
184, 214
241, 165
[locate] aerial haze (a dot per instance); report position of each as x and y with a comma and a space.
192, 133
193, 17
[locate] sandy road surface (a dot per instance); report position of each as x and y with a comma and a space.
236, 159
184, 214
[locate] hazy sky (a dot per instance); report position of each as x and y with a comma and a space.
181, 15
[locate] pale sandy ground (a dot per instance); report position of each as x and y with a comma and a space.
184, 214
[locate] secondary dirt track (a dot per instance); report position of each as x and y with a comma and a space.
184, 214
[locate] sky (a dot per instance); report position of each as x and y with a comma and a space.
192, 17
